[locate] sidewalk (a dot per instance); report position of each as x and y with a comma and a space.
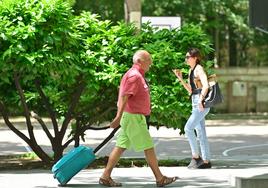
217, 177
239, 159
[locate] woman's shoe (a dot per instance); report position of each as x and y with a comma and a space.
204, 165
195, 162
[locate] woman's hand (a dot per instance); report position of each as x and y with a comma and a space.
178, 73
201, 107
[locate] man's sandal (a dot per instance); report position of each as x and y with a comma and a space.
165, 181
109, 182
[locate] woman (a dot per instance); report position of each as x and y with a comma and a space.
198, 88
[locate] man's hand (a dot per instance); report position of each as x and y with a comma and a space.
115, 123
121, 105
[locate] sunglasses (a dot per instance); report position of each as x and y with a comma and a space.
187, 57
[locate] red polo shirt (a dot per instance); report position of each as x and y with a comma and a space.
133, 84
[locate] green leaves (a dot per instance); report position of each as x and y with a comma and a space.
43, 40
170, 101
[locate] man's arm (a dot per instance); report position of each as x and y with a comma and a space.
121, 106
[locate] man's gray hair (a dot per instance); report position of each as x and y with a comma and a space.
139, 55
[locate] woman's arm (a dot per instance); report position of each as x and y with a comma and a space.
185, 85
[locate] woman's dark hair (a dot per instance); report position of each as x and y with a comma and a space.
194, 52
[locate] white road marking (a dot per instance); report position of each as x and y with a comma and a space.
225, 153
28, 148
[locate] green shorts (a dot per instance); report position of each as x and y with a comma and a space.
134, 133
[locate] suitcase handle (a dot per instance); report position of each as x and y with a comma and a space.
106, 140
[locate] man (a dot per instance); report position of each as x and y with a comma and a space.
133, 105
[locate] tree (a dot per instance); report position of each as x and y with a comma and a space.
39, 59
68, 67
107, 9
133, 12
224, 21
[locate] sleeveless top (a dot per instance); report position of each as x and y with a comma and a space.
192, 79
195, 90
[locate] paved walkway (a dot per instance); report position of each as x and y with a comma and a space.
217, 177
239, 149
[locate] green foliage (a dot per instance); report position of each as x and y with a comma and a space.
43, 40
36, 44
142, 162
107, 9
30, 155
170, 101
222, 21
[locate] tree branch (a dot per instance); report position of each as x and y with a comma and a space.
82, 131
43, 125
37, 149
48, 107
25, 107
68, 116
89, 126
10, 125
96, 117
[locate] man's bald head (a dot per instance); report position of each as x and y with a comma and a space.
143, 58
141, 55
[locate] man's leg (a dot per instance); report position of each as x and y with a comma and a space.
161, 180
153, 163
113, 159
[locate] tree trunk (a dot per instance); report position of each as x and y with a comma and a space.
40, 153
232, 48
133, 12
217, 48
57, 149
37, 149
31, 141
56, 140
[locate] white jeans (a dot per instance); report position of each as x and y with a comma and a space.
197, 122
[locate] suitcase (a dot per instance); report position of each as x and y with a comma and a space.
76, 160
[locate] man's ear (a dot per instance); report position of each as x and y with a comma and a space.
139, 62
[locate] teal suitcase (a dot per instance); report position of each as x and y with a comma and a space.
72, 163
76, 160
